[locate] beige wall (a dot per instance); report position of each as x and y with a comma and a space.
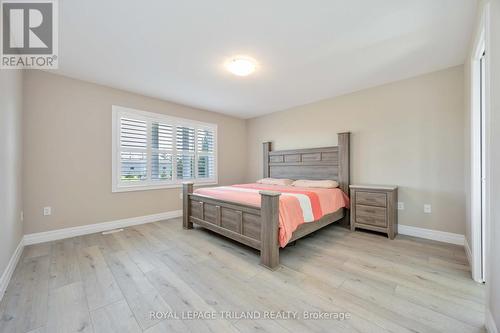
408, 133
67, 153
11, 228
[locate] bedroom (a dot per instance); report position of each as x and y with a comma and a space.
372, 127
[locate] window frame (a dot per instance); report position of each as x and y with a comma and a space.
119, 186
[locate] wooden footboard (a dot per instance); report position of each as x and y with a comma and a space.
252, 226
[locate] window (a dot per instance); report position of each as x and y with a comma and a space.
152, 151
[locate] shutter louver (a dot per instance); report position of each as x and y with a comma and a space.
185, 139
185, 166
162, 136
205, 144
133, 157
185, 145
206, 141
206, 166
162, 144
133, 133
161, 166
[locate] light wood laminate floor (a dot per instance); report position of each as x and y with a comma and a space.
110, 283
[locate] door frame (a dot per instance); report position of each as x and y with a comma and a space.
481, 43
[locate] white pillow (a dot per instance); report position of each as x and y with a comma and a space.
275, 181
316, 183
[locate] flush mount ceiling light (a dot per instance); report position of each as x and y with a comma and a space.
241, 65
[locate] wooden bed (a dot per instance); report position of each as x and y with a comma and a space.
258, 227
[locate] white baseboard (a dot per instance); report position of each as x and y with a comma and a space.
47, 236
468, 252
476, 276
9, 270
491, 327
441, 236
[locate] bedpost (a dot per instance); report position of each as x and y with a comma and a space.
187, 188
344, 171
269, 248
266, 149
344, 165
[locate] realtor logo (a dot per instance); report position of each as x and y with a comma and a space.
29, 34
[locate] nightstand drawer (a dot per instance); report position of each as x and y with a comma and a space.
371, 215
371, 199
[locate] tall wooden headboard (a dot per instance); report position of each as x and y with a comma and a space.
311, 163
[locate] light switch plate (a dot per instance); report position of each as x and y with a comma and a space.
401, 205
427, 208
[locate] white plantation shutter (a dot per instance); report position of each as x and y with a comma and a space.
133, 133
205, 146
133, 154
185, 145
152, 150
162, 146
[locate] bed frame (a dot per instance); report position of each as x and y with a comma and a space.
258, 227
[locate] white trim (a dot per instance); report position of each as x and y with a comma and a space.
160, 187
114, 144
491, 327
441, 236
9, 270
162, 117
47, 236
468, 252
475, 205
481, 42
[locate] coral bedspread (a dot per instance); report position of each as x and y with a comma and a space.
298, 205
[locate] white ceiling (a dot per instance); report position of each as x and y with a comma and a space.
307, 50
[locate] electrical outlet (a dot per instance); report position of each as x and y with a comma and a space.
180, 195
47, 211
21, 215
401, 205
427, 208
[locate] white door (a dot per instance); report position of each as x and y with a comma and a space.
482, 64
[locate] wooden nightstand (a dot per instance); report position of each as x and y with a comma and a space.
374, 207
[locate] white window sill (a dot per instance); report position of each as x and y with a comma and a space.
117, 189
